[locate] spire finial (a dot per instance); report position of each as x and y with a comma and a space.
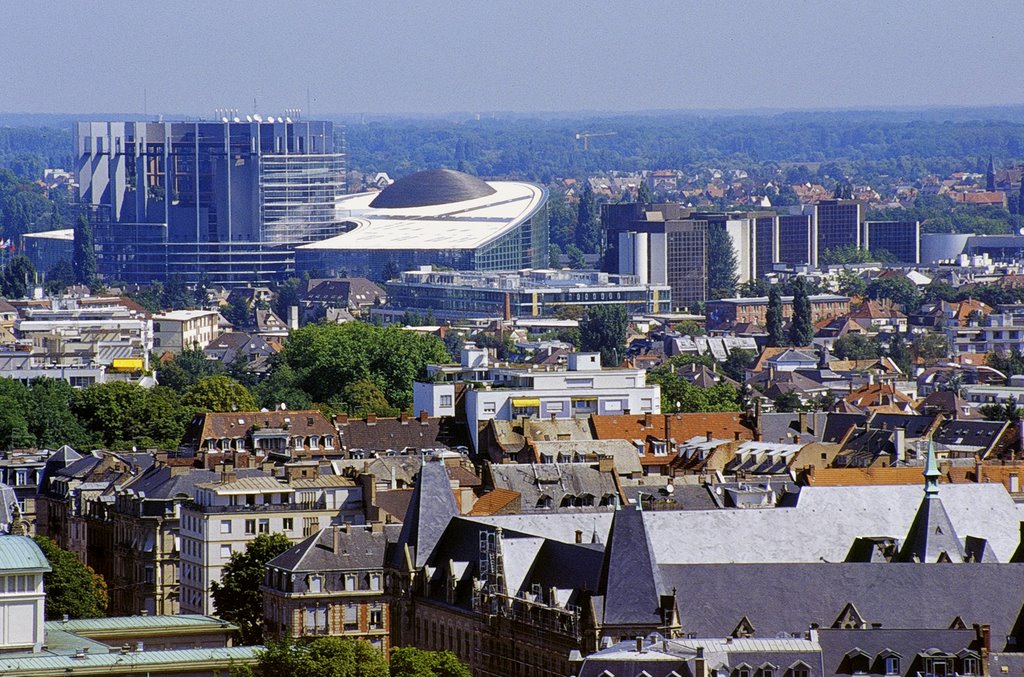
931, 472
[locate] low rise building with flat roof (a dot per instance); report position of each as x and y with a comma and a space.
185, 329
454, 295
726, 313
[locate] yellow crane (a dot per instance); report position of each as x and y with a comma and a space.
586, 136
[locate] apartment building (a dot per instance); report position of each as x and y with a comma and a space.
185, 330
228, 513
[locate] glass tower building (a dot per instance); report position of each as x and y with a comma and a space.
227, 202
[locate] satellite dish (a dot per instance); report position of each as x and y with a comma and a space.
236, 119
270, 118
1021, 231
223, 119
257, 118
248, 118
289, 120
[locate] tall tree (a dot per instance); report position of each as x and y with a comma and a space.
774, 317
320, 657
84, 253
237, 597
801, 330
603, 330
18, 277
721, 263
644, 194
588, 222
72, 588
218, 393
413, 662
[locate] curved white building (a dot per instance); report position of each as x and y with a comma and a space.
435, 217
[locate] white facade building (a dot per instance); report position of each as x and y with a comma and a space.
185, 329
511, 391
22, 601
228, 514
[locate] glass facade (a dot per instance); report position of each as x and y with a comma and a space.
227, 201
794, 236
525, 245
836, 224
686, 252
764, 245
901, 239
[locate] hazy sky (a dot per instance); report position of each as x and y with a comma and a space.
402, 57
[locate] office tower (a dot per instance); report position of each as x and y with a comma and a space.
660, 244
227, 202
794, 239
765, 244
901, 239
836, 224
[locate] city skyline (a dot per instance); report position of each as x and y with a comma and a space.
527, 57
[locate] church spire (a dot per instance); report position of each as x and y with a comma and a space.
990, 175
931, 472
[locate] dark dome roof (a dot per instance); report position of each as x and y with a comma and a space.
431, 187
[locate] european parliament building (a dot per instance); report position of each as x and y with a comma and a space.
227, 201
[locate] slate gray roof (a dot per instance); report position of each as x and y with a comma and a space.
431, 507
836, 643
913, 426
775, 597
336, 549
957, 434
537, 482
165, 483
824, 523
630, 577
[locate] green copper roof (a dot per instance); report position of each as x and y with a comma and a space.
20, 553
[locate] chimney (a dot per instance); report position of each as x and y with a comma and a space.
639, 644
579, 535
341, 419
700, 665
403, 417
371, 418
647, 420
796, 439
394, 478
423, 415
901, 445
606, 464
293, 317
736, 435
709, 436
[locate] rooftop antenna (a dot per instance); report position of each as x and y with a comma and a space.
308, 107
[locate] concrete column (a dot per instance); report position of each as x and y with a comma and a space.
658, 258
640, 257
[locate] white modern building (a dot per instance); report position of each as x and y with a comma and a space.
185, 329
509, 391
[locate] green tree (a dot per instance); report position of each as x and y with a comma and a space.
364, 397
1007, 410
84, 253
238, 312
72, 588
218, 393
176, 295
237, 597
899, 290
788, 402
801, 330
14, 433
644, 194
326, 357
588, 222
320, 657
554, 256
933, 346
737, 363
186, 368
454, 343
721, 263
854, 347
774, 318
59, 278
689, 328
286, 295
603, 330
18, 277
850, 283
576, 258
122, 415
413, 662
561, 218
281, 387
48, 415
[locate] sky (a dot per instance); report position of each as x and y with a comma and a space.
405, 57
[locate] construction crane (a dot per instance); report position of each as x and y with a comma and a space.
586, 136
